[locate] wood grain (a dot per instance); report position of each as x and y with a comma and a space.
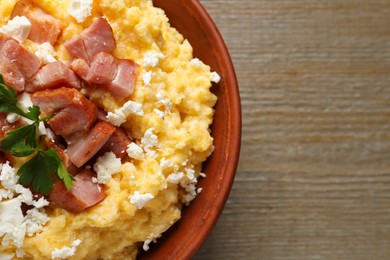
314, 175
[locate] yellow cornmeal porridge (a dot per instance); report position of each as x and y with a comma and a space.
178, 110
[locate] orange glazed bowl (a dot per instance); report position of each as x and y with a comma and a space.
183, 239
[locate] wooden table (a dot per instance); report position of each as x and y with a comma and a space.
313, 180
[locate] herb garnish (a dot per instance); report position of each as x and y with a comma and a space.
24, 141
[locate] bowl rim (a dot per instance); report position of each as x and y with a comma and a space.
219, 44
190, 245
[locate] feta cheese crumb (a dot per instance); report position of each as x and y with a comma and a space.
202, 174
140, 200
175, 177
149, 140
116, 118
199, 190
147, 242
35, 220
164, 101
159, 113
42, 202
12, 228
80, 9
8, 178
24, 101
214, 77
46, 53
12, 118
66, 252
152, 59
105, 166
131, 107
134, 151
18, 28
165, 163
191, 175
119, 116
147, 77
196, 62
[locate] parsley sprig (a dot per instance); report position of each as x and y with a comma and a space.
24, 142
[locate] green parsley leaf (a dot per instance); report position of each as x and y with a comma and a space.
25, 135
22, 150
38, 171
8, 100
64, 175
23, 141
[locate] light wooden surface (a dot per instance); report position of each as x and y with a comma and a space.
313, 180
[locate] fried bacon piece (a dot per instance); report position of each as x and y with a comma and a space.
83, 195
44, 27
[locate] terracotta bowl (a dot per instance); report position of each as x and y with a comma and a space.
183, 240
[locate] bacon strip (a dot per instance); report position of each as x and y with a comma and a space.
44, 27
82, 150
83, 195
53, 75
96, 38
16, 63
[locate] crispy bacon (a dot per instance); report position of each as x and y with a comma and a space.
44, 27
16, 63
117, 76
96, 38
53, 75
83, 195
83, 149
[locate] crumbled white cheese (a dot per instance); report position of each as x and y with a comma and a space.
10, 212
19, 253
191, 175
116, 118
50, 134
12, 228
196, 62
18, 28
202, 174
9, 180
147, 242
149, 141
42, 128
80, 9
12, 118
131, 107
42, 202
214, 77
199, 190
159, 113
119, 116
13, 225
140, 200
152, 59
165, 163
134, 151
147, 77
175, 177
46, 53
164, 101
24, 101
35, 219
25, 194
66, 252
105, 166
